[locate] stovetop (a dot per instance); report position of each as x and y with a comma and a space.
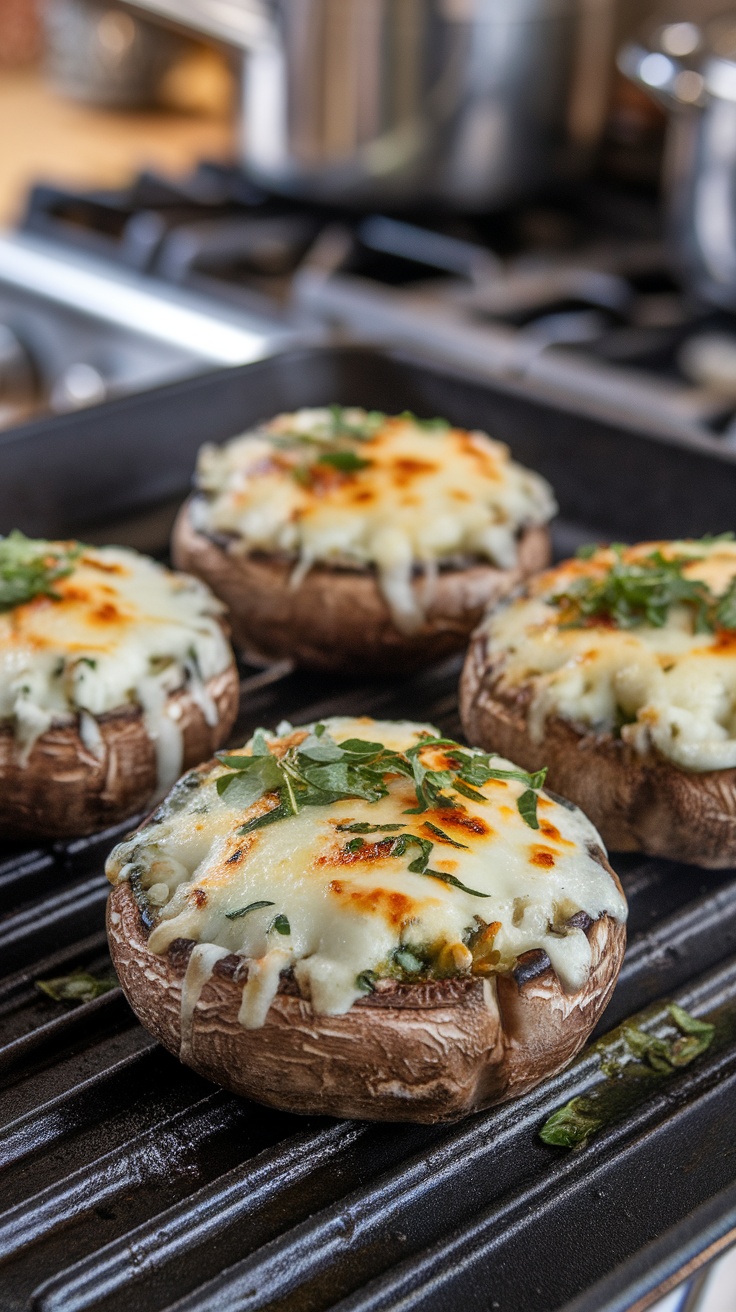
570, 298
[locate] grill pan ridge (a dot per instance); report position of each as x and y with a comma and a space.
128, 1181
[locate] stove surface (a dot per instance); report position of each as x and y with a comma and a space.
570, 299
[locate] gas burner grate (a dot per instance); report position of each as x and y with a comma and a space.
127, 1179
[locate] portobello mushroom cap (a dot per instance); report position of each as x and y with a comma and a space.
638, 802
337, 618
429, 1052
64, 790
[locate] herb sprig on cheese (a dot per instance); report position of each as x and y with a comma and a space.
381, 868
30, 567
318, 771
354, 488
85, 631
643, 590
635, 641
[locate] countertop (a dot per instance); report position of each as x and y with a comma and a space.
51, 139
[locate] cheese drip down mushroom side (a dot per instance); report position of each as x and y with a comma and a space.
653, 662
340, 877
114, 674
346, 487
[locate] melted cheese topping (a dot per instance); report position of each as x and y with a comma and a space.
667, 688
428, 493
123, 631
346, 911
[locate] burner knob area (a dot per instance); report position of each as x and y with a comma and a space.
78, 386
18, 375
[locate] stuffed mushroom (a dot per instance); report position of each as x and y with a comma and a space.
618, 671
362, 918
348, 539
115, 674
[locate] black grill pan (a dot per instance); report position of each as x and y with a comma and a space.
129, 1182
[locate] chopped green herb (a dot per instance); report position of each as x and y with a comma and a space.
346, 461
243, 911
644, 591
320, 771
87, 660
362, 827
471, 793
77, 987
29, 567
527, 808
431, 425
280, 924
354, 845
433, 829
726, 608
366, 981
585, 552
367, 426
451, 879
632, 1061
573, 1124
407, 961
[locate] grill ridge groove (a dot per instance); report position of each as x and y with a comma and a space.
273, 1213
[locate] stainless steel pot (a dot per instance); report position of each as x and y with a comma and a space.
472, 103
690, 68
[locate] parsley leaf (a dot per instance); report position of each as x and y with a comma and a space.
320, 771
726, 608
451, 879
77, 987
346, 461
647, 1058
29, 567
643, 592
527, 808
434, 829
243, 911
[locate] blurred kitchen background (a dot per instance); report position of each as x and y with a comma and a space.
540, 193
538, 190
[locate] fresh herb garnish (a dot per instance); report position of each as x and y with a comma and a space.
77, 987
643, 591
633, 1061
362, 827
280, 925
29, 567
420, 865
243, 911
452, 879
430, 425
527, 807
320, 771
407, 961
434, 829
366, 981
345, 460
366, 427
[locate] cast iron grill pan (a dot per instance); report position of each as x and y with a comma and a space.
129, 1182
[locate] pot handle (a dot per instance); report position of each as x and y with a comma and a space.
244, 24
662, 76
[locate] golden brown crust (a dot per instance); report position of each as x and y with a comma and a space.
422, 1052
65, 791
337, 618
638, 803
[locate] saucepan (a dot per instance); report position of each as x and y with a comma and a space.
470, 103
689, 66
